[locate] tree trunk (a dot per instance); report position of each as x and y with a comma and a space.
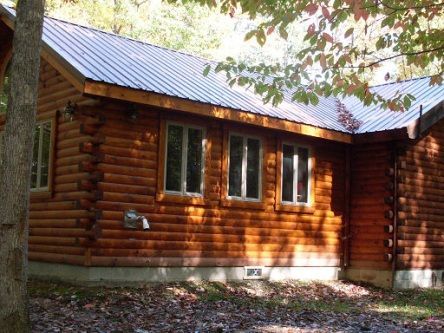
15, 169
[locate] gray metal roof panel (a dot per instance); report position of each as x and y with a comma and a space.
105, 57
376, 119
130, 63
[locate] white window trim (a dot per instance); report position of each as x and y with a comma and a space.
295, 174
243, 196
39, 188
183, 178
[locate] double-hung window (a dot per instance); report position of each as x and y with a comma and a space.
296, 174
244, 175
41, 157
184, 159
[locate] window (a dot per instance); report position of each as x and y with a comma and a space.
296, 170
41, 157
184, 160
244, 173
4, 89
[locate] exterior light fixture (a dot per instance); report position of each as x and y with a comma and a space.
132, 113
69, 111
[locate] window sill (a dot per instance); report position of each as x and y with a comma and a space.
235, 203
294, 208
182, 199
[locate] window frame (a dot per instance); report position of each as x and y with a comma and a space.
310, 179
47, 188
243, 196
184, 192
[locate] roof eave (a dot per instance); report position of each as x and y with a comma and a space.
102, 89
380, 136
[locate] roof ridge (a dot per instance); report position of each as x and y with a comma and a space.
119, 36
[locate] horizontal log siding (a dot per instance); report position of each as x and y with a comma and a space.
207, 233
369, 186
58, 221
421, 202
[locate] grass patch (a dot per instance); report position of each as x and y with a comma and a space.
322, 306
414, 304
217, 292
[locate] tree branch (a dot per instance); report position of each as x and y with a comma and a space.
412, 7
397, 56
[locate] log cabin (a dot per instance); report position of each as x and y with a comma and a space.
146, 170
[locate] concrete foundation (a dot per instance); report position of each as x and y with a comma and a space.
379, 278
419, 278
140, 275
404, 279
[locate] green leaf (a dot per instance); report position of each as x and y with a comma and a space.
313, 40
250, 35
207, 70
407, 102
349, 32
283, 32
314, 100
261, 37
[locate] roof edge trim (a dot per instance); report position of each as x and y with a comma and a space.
380, 136
106, 90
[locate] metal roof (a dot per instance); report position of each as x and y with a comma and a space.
104, 57
375, 119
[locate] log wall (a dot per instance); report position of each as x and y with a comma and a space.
105, 163
60, 219
421, 202
371, 211
209, 232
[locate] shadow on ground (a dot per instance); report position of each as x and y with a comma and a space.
255, 306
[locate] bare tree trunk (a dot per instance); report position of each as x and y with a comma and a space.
15, 169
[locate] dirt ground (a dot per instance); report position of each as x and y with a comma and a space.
235, 307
